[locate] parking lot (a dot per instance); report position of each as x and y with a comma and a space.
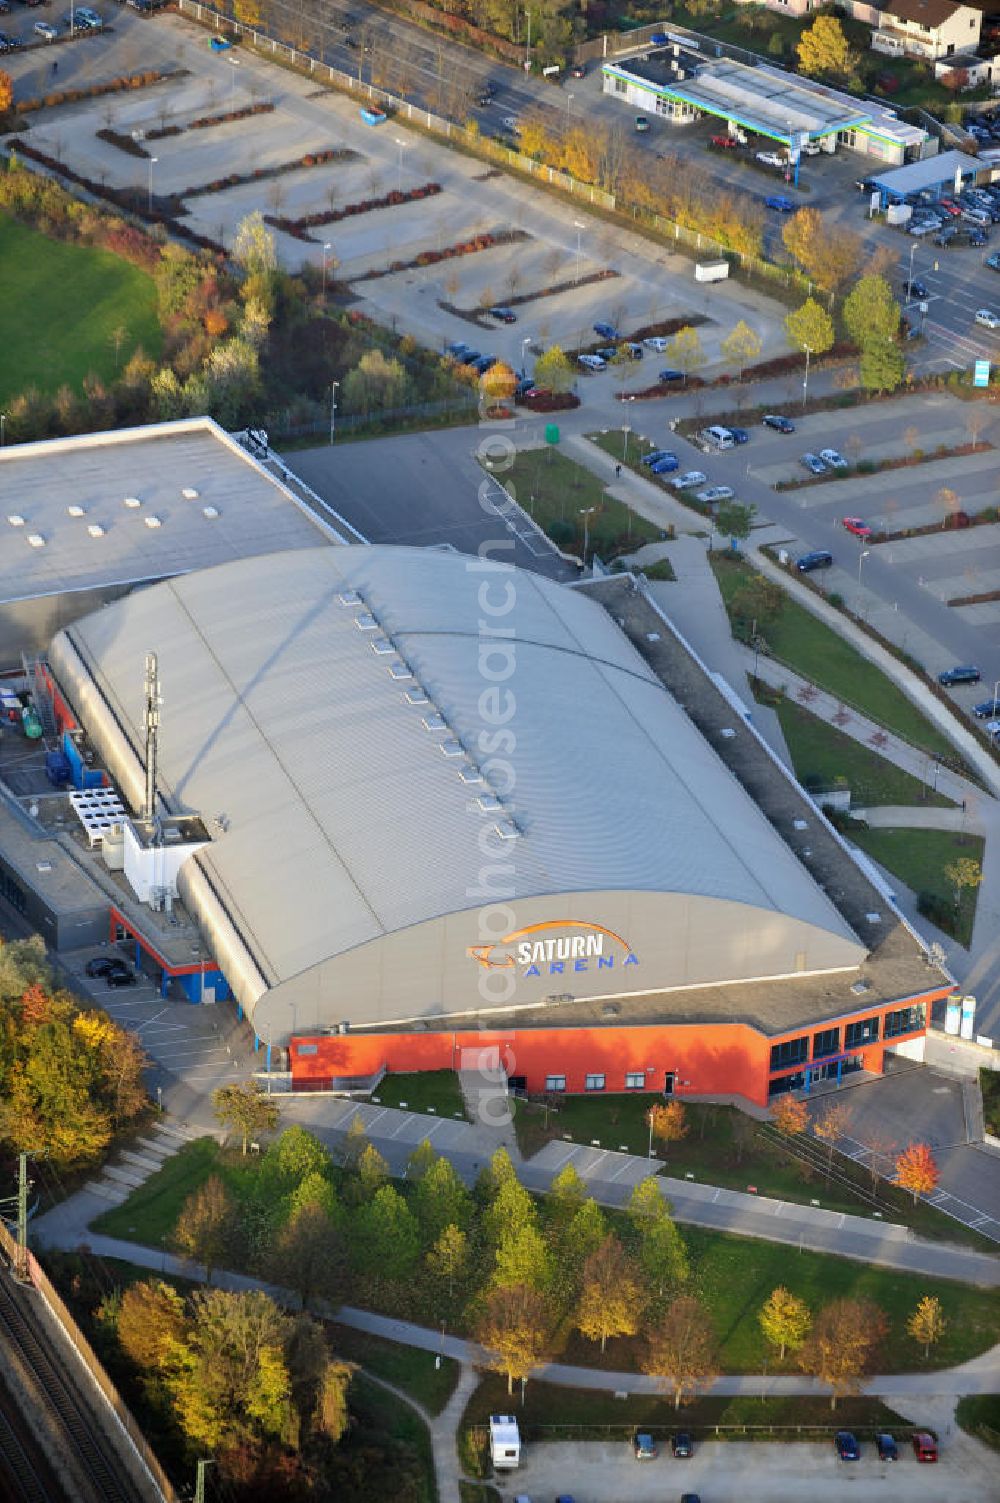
751, 1472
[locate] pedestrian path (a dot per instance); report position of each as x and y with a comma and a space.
133, 1166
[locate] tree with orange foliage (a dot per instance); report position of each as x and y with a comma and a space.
666, 1121
916, 1170
790, 1116
6, 92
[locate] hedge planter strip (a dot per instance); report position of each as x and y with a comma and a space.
299, 228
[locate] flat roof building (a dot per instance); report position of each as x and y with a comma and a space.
85, 520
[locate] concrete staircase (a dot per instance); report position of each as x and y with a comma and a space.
134, 1165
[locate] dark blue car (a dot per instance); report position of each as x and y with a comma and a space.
779, 202
847, 1446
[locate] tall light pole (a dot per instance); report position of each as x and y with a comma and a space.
333, 407
399, 164
909, 275
569, 101
585, 512
805, 378
234, 63
579, 231
527, 46
327, 247
524, 345
3, 429
861, 558
152, 163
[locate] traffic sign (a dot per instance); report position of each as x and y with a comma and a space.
981, 375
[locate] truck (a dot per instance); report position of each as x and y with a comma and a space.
505, 1442
711, 271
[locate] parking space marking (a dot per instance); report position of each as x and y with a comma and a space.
400, 1125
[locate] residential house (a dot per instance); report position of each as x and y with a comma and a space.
928, 29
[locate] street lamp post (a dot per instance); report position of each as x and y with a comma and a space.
585, 512
569, 101
524, 344
399, 164
152, 163
626, 430
861, 558
909, 276
327, 247
3, 429
333, 407
234, 63
527, 46
579, 230
805, 378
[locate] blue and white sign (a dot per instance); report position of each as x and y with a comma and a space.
981, 374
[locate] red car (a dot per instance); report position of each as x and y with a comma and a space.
857, 527
924, 1446
949, 207
725, 143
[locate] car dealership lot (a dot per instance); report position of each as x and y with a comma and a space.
752, 1472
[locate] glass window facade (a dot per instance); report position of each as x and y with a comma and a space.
864, 1031
594, 1083
635, 1080
905, 1020
791, 1052
826, 1043
555, 1082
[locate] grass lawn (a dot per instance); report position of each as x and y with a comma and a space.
989, 1082
381, 1417
405, 1367
150, 1213
555, 491
563, 1412
822, 756
434, 1091
712, 1154
62, 304
980, 1414
812, 648
919, 858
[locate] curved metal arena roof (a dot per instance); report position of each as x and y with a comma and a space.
344, 812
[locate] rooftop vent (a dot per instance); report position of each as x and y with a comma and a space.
211, 512
452, 747
860, 986
189, 493
434, 721
489, 803
470, 773
873, 918
350, 597
383, 646
417, 696
152, 521
727, 733
132, 502
75, 511
15, 520
800, 824
506, 829
36, 540
366, 622
44, 866
400, 670
610, 1010
95, 529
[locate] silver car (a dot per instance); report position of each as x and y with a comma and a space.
715, 493
688, 479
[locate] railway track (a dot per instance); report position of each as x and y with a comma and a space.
20, 1479
95, 1455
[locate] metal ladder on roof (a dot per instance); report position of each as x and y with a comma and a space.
41, 699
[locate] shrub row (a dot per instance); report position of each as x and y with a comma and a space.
430, 258
123, 141
299, 227
237, 179
120, 85
204, 121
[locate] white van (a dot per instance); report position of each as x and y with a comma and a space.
717, 438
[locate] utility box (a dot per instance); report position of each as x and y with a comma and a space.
711, 271
505, 1442
898, 214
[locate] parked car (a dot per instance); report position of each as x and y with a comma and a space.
505, 315
833, 459
47, 30
855, 526
578, 70
778, 423
644, 1447
656, 342
688, 479
987, 319
669, 376
605, 331
813, 464
458, 350
654, 455
664, 465
591, 362
847, 1446
887, 1448
607, 353
484, 363
632, 350
123, 977
523, 388
770, 158
641, 124
916, 289
963, 674
924, 1446
713, 494
723, 143
681, 1444
993, 262
978, 238
469, 357
778, 202
740, 435
100, 965
820, 559
986, 709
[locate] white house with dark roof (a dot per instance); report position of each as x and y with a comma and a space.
928, 29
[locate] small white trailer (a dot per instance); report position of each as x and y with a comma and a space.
505, 1442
